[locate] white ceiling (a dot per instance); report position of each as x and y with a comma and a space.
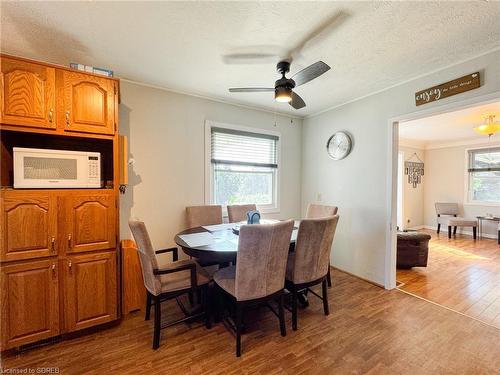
448, 127
178, 45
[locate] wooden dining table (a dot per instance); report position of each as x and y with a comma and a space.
217, 243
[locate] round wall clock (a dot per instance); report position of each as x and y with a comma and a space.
339, 145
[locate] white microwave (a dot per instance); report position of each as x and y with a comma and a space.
39, 168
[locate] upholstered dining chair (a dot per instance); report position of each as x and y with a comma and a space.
309, 264
238, 212
198, 216
316, 211
203, 215
169, 281
259, 273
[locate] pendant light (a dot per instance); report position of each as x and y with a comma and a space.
489, 127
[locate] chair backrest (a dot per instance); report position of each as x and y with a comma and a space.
446, 208
238, 212
147, 256
261, 259
312, 249
315, 211
203, 215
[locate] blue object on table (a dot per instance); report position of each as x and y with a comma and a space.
253, 217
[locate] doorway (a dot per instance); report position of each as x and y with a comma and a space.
461, 273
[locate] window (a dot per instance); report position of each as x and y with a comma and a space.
484, 175
244, 167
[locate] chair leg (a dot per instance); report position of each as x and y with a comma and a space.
454, 230
191, 298
148, 306
474, 233
329, 279
449, 231
206, 306
239, 316
325, 298
281, 313
294, 309
157, 327
439, 228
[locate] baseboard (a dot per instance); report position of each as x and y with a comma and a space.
460, 231
358, 277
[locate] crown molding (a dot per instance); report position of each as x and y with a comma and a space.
212, 99
495, 141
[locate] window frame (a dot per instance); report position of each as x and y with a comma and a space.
468, 176
209, 166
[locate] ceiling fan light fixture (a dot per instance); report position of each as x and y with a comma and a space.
283, 94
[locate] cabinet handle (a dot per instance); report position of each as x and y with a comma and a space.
53, 270
51, 112
53, 241
69, 241
70, 265
67, 119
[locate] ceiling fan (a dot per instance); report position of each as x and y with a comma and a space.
283, 87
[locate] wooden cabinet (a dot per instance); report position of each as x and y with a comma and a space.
58, 258
90, 290
28, 225
27, 94
90, 220
30, 302
89, 103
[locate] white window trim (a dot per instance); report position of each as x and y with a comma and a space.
209, 183
467, 200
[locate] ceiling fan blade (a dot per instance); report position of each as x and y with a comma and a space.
319, 32
297, 102
251, 89
249, 58
311, 72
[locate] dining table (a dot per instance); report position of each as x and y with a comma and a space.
218, 243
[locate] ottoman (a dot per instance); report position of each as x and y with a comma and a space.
461, 222
412, 249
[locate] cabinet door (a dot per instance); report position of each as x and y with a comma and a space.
30, 302
90, 290
29, 225
90, 221
89, 103
28, 94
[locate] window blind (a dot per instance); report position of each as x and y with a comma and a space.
230, 146
484, 160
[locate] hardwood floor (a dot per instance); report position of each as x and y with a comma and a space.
461, 274
369, 331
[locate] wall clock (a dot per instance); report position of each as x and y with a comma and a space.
339, 145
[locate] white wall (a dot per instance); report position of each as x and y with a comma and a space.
445, 182
166, 140
359, 183
413, 198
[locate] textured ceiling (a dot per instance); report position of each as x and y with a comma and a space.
449, 127
179, 45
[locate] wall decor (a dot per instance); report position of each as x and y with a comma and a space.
414, 169
444, 90
339, 145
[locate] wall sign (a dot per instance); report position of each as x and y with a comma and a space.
444, 90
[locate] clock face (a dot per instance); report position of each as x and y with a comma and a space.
339, 145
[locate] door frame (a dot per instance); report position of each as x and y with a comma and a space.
392, 170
